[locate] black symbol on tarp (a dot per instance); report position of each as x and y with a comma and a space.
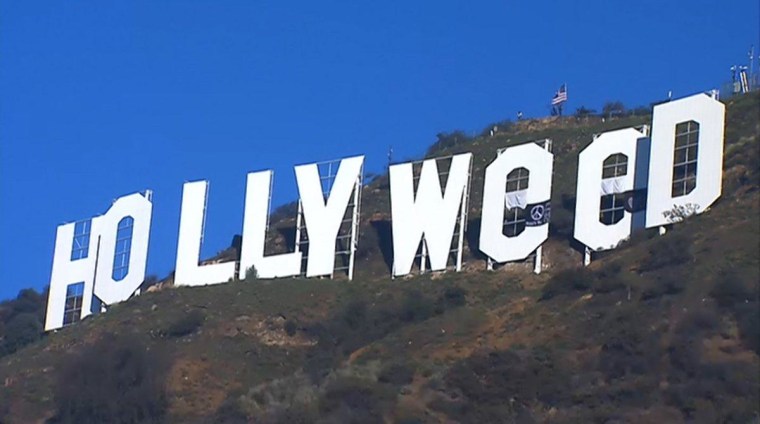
537, 213
635, 200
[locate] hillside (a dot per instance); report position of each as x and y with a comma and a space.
664, 329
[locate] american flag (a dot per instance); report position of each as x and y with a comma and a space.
561, 96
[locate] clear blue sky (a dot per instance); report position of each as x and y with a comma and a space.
101, 99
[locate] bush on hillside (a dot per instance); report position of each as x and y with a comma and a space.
116, 380
704, 389
732, 294
612, 109
230, 412
355, 314
186, 324
448, 140
567, 281
629, 347
584, 112
290, 328
666, 283
608, 278
358, 324
669, 250
398, 374
452, 297
21, 330
354, 400
21, 320
747, 317
416, 307
730, 290
29, 301
500, 386
251, 274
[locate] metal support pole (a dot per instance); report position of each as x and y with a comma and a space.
205, 208
540, 249
537, 263
751, 67
94, 280
423, 257
462, 224
354, 225
298, 234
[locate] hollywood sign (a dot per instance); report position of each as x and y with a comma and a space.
627, 179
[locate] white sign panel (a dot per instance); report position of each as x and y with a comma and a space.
324, 216
258, 194
428, 216
538, 163
117, 242
191, 227
605, 172
686, 166
683, 176
323, 220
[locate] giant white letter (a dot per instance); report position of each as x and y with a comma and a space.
605, 171
686, 166
191, 223
429, 215
255, 224
116, 243
538, 163
123, 253
324, 217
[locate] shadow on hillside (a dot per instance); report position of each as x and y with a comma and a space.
384, 232
473, 239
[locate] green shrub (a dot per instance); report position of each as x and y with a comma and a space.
290, 328
608, 278
628, 346
230, 412
447, 141
607, 285
730, 290
416, 307
251, 274
410, 420
398, 374
500, 386
21, 320
22, 329
748, 320
613, 108
116, 380
567, 281
355, 314
293, 414
354, 400
667, 282
669, 250
453, 297
186, 324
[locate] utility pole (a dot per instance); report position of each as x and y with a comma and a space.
751, 67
